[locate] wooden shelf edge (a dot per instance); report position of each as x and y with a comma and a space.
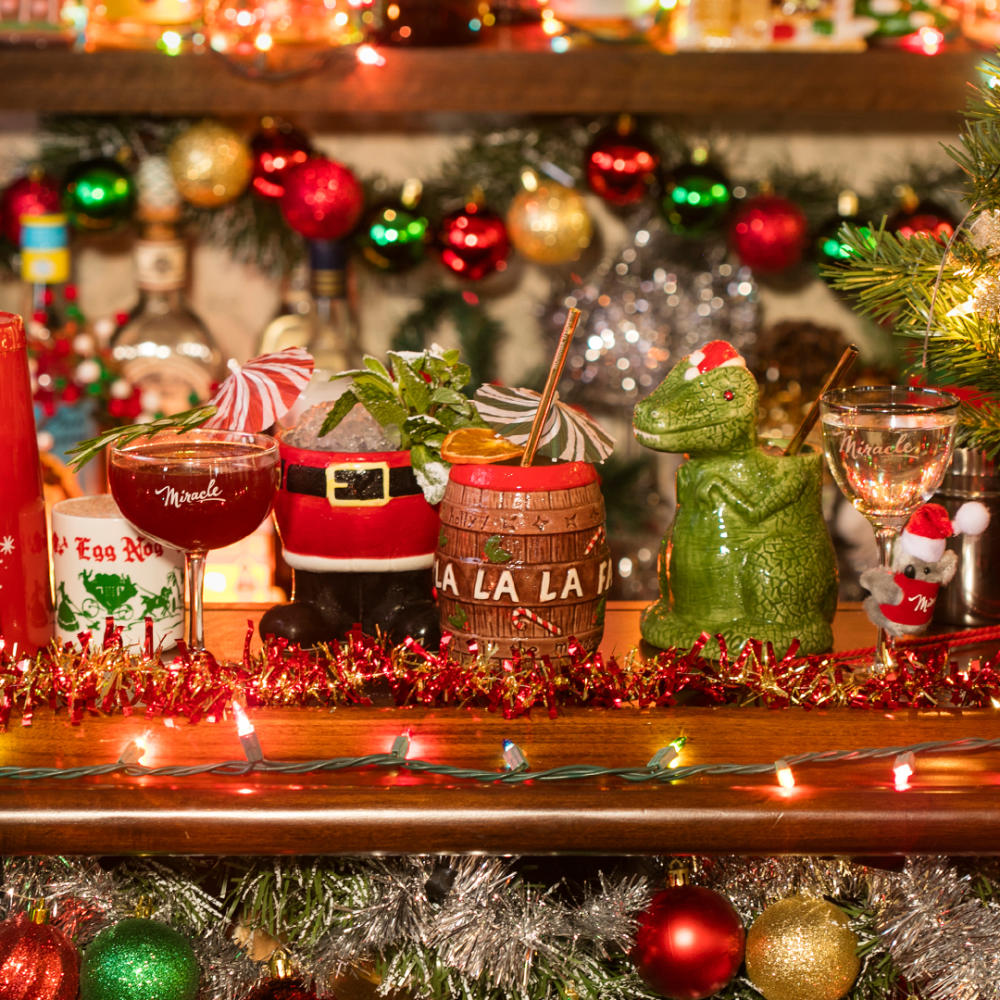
846, 808
820, 86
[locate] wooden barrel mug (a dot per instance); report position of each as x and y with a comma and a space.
523, 560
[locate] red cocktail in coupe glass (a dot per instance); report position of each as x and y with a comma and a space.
195, 490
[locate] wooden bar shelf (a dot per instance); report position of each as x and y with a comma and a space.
883, 89
853, 808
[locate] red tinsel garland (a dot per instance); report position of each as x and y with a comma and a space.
363, 669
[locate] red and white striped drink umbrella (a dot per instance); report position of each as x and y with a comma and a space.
256, 394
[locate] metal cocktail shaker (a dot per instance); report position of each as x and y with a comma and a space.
973, 596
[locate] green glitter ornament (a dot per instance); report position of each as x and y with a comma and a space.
139, 959
99, 194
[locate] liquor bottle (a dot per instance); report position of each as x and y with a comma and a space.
61, 353
163, 347
25, 596
44, 266
328, 329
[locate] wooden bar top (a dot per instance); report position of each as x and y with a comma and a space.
952, 807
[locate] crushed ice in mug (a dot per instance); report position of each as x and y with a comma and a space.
358, 431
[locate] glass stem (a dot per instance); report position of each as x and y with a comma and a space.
884, 537
194, 565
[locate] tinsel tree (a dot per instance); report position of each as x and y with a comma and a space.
942, 296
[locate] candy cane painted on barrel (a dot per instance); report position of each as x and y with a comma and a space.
523, 559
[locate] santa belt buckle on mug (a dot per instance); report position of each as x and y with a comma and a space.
351, 484
358, 484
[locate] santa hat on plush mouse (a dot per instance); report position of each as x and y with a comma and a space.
926, 533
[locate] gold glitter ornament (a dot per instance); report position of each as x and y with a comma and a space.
548, 222
802, 948
211, 164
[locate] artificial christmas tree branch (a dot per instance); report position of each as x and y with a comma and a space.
945, 294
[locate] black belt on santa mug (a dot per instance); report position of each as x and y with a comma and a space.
351, 484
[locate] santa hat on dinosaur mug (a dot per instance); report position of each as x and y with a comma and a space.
926, 533
714, 354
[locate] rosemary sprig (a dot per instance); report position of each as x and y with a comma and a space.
187, 420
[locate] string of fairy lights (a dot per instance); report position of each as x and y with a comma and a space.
665, 766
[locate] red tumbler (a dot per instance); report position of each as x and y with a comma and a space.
25, 591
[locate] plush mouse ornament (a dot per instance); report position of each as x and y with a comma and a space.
902, 598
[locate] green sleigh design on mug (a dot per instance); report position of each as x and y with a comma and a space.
117, 595
748, 555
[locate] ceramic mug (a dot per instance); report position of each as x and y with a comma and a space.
103, 567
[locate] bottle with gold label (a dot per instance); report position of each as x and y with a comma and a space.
163, 347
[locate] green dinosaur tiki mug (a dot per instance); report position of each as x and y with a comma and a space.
748, 555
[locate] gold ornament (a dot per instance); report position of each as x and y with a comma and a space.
211, 164
548, 222
802, 948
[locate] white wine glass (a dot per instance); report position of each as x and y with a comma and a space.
888, 447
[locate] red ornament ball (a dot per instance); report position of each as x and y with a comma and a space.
926, 219
32, 195
621, 166
689, 942
37, 961
322, 199
275, 150
769, 233
281, 989
474, 242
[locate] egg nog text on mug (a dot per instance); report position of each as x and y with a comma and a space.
173, 497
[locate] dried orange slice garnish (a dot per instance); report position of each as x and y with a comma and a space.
478, 446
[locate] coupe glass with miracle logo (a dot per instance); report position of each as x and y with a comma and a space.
888, 448
195, 490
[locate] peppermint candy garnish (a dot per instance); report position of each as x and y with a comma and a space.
569, 434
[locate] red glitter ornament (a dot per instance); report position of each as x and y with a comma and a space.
37, 961
769, 233
36, 194
322, 199
689, 942
621, 165
474, 242
275, 150
281, 989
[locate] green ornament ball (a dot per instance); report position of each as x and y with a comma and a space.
99, 194
139, 959
696, 198
394, 237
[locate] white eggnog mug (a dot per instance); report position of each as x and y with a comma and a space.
102, 567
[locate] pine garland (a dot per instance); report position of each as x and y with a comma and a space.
479, 334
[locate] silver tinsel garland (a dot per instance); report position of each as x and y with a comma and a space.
478, 927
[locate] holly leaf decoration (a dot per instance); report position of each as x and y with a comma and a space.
458, 619
495, 551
